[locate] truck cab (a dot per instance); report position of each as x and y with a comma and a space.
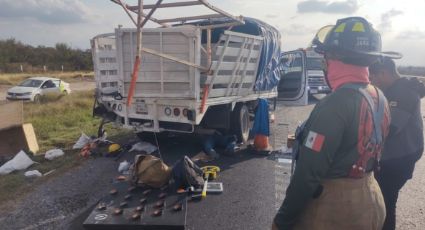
302, 72
316, 83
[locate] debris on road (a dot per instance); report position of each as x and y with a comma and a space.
53, 153
123, 167
19, 162
143, 146
82, 141
187, 174
150, 171
202, 157
33, 173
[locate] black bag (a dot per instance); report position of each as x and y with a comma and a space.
186, 174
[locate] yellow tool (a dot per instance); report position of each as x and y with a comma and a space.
209, 172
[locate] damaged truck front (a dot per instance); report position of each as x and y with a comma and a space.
203, 74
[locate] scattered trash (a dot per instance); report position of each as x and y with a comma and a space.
202, 157
82, 141
88, 149
19, 162
143, 146
53, 153
124, 166
49, 172
186, 174
33, 173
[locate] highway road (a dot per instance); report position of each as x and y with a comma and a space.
254, 187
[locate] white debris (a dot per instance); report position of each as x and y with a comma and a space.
124, 166
33, 173
53, 153
82, 141
144, 146
19, 162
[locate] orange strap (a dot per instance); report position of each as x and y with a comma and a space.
204, 98
134, 76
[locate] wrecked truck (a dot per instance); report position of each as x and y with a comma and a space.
196, 72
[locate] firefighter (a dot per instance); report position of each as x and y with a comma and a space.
405, 141
333, 186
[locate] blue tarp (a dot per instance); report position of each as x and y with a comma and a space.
268, 70
261, 120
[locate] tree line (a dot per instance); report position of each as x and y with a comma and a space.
18, 57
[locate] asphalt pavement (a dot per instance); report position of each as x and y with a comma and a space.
254, 187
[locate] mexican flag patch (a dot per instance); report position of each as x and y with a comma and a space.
314, 141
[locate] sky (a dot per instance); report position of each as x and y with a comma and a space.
74, 22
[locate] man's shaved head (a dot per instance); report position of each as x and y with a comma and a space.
384, 64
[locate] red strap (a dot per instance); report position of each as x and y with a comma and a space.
134, 76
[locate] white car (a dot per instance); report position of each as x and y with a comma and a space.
32, 89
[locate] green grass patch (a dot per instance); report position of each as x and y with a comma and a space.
15, 78
57, 124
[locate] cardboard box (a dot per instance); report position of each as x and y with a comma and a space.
17, 138
11, 114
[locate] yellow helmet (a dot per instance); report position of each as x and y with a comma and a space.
114, 148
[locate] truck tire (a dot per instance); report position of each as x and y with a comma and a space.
241, 123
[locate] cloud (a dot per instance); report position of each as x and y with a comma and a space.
46, 11
386, 19
411, 35
297, 30
272, 16
342, 7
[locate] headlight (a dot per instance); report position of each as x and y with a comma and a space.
26, 94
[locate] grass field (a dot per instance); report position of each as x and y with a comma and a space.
57, 124
15, 78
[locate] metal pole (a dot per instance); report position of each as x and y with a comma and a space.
127, 11
138, 55
209, 58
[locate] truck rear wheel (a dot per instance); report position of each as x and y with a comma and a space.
241, 123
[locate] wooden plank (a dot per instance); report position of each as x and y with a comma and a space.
217, 66
11, 114
225, 79
222, 92
167, 5
222, 12
153, 38
178, 76
185, 19
232, 51
150, 67
242, 35
30, 137
149, 15
168, 49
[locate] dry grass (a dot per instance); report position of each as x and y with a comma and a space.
15, 78
57, 123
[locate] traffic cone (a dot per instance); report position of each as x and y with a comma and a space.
261, 142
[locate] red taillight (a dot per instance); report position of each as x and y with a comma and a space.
176, 112
185, 112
